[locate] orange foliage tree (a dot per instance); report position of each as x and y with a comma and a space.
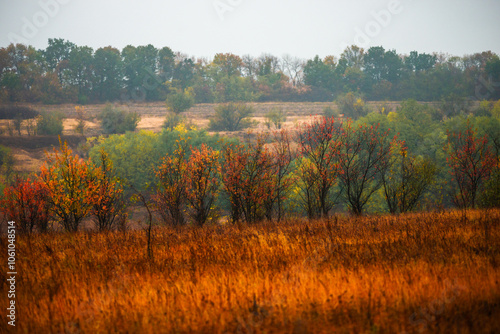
202, 183
108, 206
72, 186
26, 202
247, 175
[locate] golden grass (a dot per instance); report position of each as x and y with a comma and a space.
435, 272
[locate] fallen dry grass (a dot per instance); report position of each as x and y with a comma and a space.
435, 272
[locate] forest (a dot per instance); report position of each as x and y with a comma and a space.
68, 73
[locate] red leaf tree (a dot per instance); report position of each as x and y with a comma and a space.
247, 176
283, 156
319, 144
471, 161
27, 203
202, 184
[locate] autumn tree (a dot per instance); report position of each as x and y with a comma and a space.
471, 161
109, 205
225, 66
71, 186
364, 157
202, 184
27, 203
283, 157
406, 181
171, 194
247, 176
319, 144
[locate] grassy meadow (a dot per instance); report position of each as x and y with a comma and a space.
425, 272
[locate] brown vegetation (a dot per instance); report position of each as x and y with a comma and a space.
436, 272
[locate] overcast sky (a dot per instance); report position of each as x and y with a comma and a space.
300, 28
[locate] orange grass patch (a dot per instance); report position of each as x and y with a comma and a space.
435, 272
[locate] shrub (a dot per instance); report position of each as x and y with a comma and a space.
117, 121
109, 205
275, 117
180, 101
26, 202
50, 124
231, 117
80, 119
352, 105
172, 120
6, 160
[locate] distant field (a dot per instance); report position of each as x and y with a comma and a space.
429, 272
153, 114
29, 155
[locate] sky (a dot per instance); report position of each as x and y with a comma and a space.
299, 28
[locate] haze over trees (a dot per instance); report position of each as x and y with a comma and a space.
65, 72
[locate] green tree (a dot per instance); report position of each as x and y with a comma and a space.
79, 72
406, 181
108, 74
320, 75
57, 50
231, 117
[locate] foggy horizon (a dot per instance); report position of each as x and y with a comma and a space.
205, 28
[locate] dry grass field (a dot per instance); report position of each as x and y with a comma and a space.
429, 272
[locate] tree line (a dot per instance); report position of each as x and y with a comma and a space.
65, 72
315, 170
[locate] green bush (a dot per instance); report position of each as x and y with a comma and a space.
6, 164
231, 117
330, 112
136, 155
275, 117
172, 120
180, 101
117, 121
50, 124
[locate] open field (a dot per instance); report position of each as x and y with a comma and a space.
430, 272
29, 153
